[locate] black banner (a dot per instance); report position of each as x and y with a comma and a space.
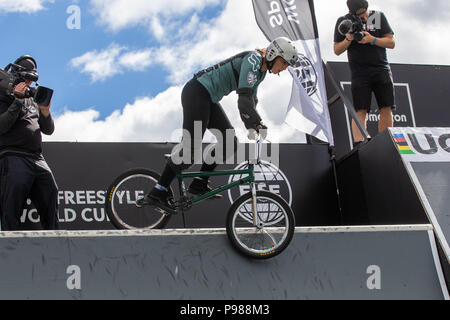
84, 171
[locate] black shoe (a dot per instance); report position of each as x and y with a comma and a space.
199, 187
161, 200
358, 144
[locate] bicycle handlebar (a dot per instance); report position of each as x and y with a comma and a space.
258, 142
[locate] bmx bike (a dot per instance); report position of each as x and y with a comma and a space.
259, 224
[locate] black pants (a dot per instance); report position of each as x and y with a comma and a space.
22, 178
198, 108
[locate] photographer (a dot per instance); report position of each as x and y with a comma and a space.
366, 35
23, 169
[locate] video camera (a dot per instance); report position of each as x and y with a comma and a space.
13, 74
353, 24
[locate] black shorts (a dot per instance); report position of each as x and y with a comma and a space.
381, 84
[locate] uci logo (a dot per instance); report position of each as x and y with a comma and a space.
432, 145
267, 177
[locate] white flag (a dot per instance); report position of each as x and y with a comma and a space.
308, 108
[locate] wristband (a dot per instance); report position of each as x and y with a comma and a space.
21, 102
374, 41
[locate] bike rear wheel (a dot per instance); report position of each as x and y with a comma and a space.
271, 236
121, 206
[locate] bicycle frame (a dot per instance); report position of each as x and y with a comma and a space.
249, 179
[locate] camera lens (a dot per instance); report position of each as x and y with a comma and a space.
345, 27
358, 36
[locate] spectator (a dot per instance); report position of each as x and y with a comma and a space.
24, 172
368, 62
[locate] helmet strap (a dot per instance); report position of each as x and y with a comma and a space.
270, 65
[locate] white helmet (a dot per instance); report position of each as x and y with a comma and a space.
282, 47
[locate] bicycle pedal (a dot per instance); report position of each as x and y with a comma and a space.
162, 211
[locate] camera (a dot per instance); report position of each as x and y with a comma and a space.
13, 74
353, 23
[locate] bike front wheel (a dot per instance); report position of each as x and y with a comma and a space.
273, 232
121, 203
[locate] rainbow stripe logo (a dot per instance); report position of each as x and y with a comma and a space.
402, 145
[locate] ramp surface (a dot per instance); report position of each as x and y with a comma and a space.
426, 155
434, 181
321, 263
414, 187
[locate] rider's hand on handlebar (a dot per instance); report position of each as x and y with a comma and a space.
260, 130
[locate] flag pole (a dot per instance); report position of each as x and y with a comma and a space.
347, 103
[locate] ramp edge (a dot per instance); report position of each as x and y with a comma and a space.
214, 231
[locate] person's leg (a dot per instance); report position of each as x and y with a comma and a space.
362, 97
44, 195
385, 94
357, 135
196, 112
15, 183
221, 127
386, 119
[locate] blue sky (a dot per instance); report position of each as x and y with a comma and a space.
45, 36
119, 77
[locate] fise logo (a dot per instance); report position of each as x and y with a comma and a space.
306, 73
267, 177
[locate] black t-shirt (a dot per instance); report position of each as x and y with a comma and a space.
364, 58
21, 127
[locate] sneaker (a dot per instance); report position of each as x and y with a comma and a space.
161, 200
199, 187
357, 144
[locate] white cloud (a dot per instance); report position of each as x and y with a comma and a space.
136, 60
146, 119
27, 6
122, 14
207, 42
115, 59
157, 28
211, 41
100, 65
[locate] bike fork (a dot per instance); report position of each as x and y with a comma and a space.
256, 221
